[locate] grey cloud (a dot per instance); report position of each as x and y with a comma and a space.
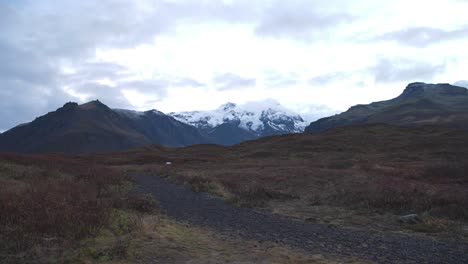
239, 11
102, 70
86, 80
76, 28
154, 87
395, 70
114, 96
94, 71
22, 101
27, 86
328, 78
298, 19
274, 79
7, 14
184, 82
424, 36
230, 81
23, 65
281, 82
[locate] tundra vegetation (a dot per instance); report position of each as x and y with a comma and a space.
357, 177
81, 208
76, 209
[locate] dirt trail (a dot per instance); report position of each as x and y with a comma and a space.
202, 209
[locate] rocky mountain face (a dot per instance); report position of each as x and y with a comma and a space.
94, 127
419, 104
231, 124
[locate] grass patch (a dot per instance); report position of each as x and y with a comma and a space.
49, 204
105, 247
172, 242
49, 210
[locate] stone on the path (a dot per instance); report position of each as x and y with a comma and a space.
410, 219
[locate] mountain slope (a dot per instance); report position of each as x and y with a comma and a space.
162, 129
419, 104
94, 127
231, 124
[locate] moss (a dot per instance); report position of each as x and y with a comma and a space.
117, 189
142, 203
106, 247
123, 222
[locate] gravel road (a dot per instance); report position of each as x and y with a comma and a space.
202, 209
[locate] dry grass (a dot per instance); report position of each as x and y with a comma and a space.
49, 203
165, 241
368, 170
50, 209
153, 238
356, 177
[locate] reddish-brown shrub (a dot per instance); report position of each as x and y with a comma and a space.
403, 196
447, 171
254, 194
49, 210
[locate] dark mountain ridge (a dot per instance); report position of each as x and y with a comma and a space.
419, 104
94, 127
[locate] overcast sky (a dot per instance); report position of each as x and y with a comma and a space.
193, 55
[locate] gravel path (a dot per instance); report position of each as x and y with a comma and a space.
202, 209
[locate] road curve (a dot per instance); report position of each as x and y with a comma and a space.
201, 209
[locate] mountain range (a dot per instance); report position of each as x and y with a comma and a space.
94, 127
419, 104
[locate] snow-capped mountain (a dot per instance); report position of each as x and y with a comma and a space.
232, 123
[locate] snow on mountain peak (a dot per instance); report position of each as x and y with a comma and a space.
228, 106
252, 116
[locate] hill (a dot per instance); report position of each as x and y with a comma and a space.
419, 104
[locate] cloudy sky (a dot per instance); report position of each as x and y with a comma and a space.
175, 55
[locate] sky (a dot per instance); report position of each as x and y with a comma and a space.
172, 55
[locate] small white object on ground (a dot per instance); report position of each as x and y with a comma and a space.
168, 163
410, 219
